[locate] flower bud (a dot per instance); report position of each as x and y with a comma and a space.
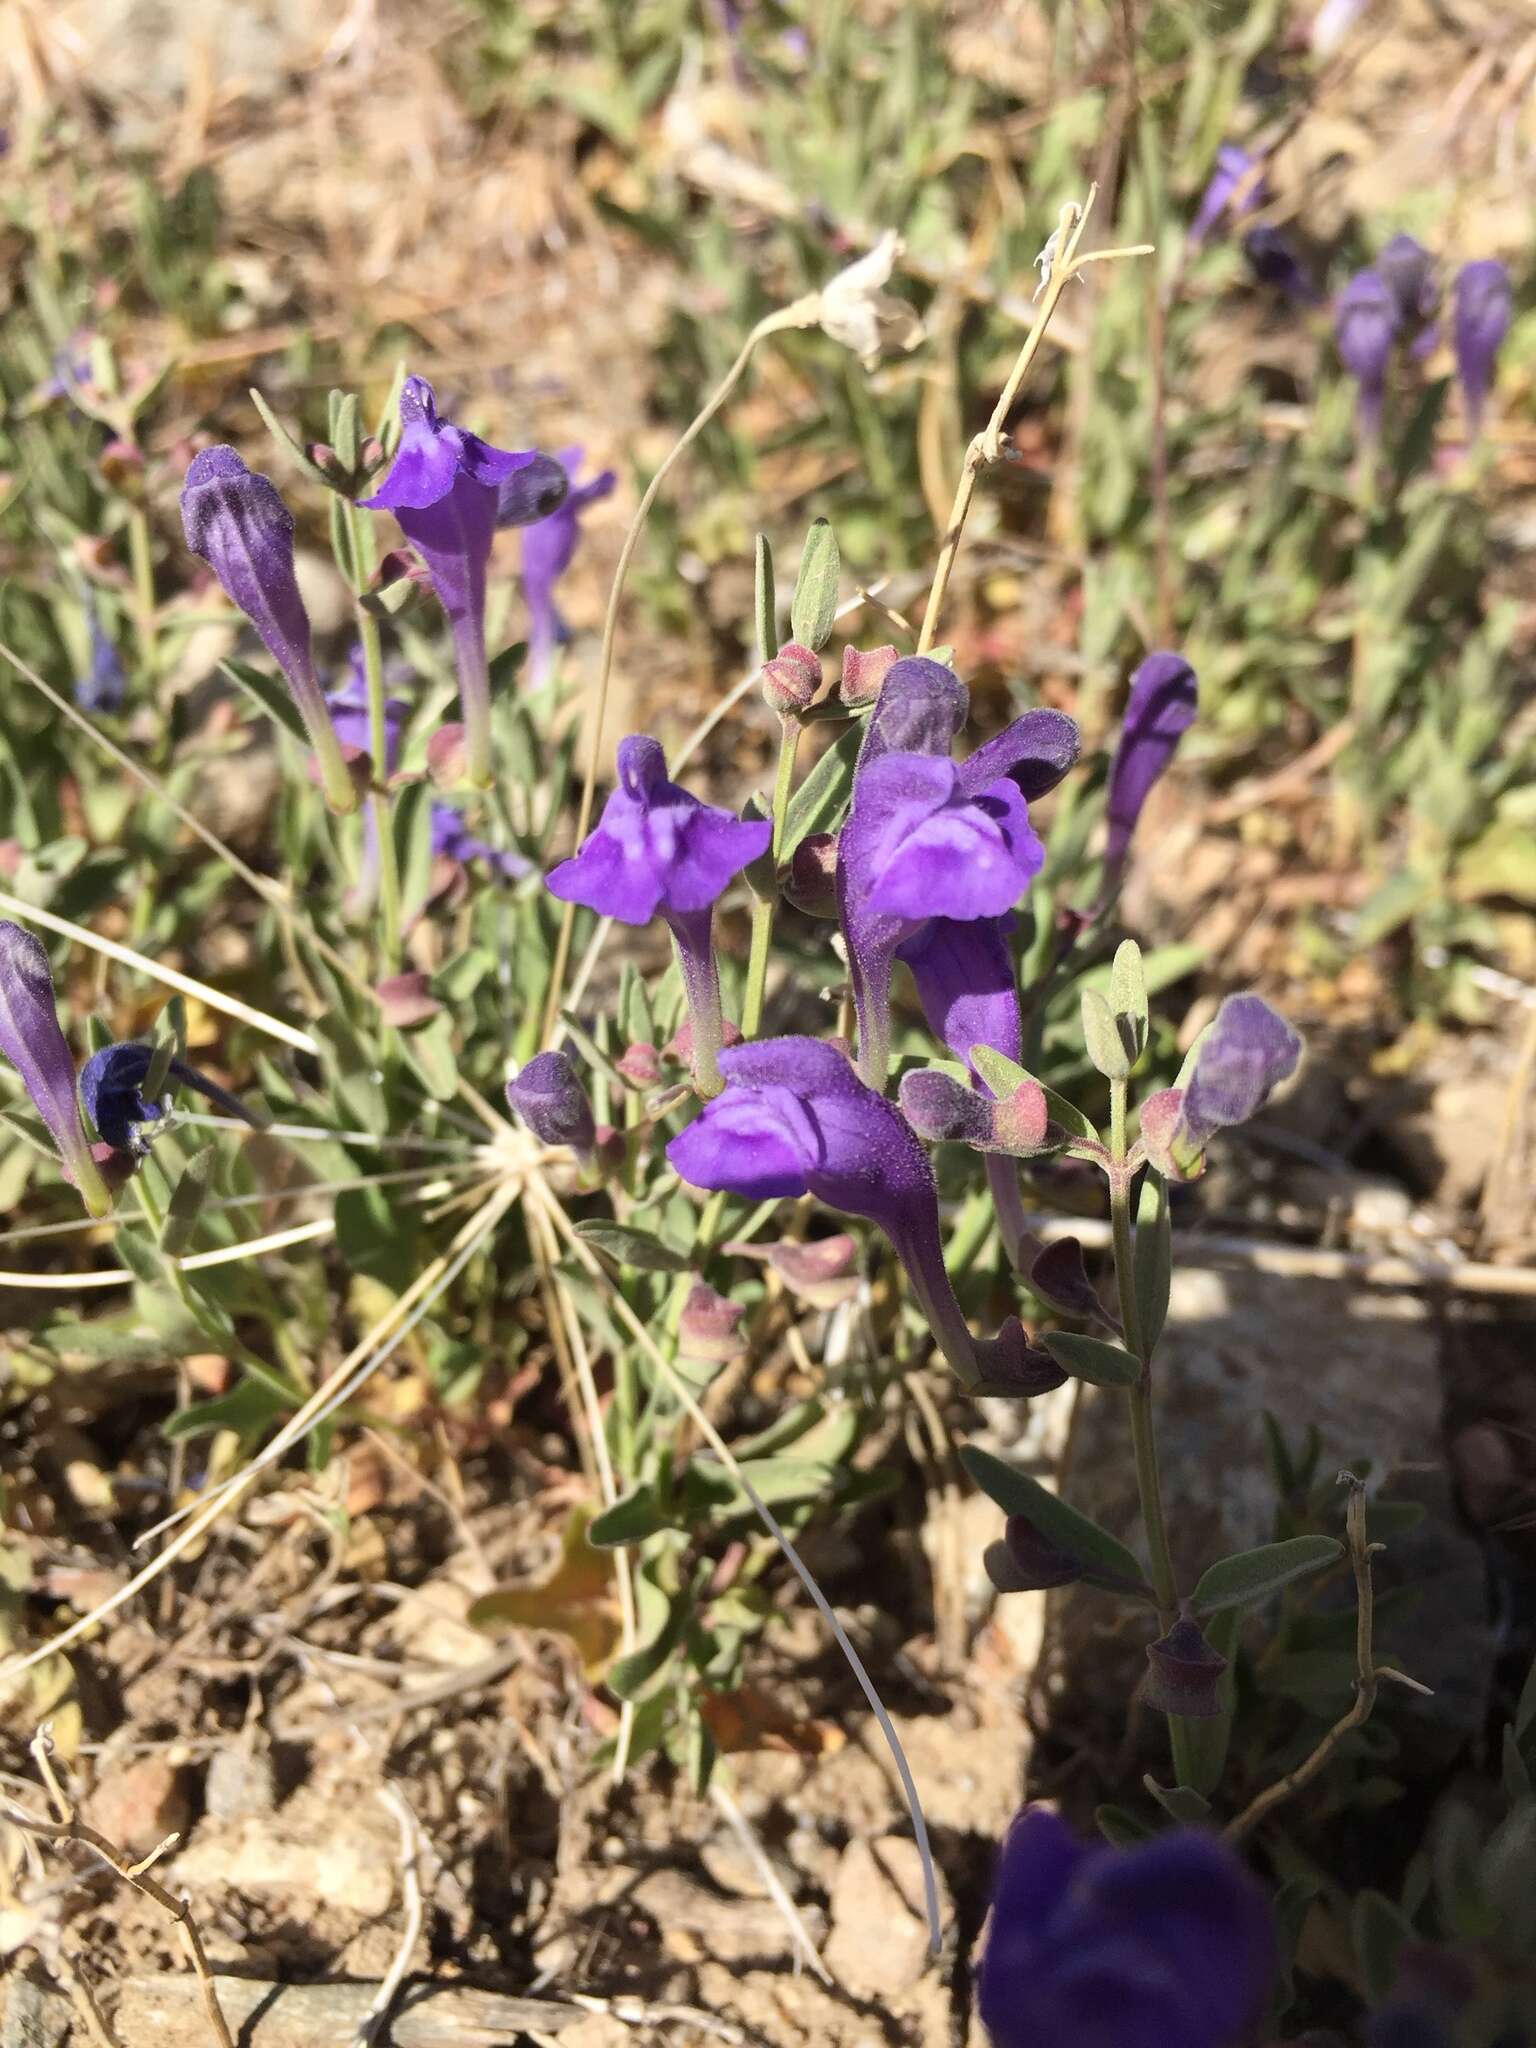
640, 1064
551, 1101
707, 1327
809, 877
406, 1000
447, 756
1483, 310
790, 680
1060, 1275
863, 674
1184, 1674
822, 1273
942, 1109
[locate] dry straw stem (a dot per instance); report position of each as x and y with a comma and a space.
584, 1254
412, 1847
802, 313
987, 447
1368, 1673
67, 1829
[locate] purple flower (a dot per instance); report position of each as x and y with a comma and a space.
347, 709
31, 1040
1482, 314
1244, 1055
657, 849
934, 854
1234, 167
242, 529
795, 1119
1158, 712
112, 1085
548, 546
1248, 1051
1365, 324
547, 1094
104, 686
1166, 1945
453, 841
449, 489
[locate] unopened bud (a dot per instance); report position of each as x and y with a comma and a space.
640, 1064
406, 1000
447, 756
707, 1328
790, 680
863, 674
809, 877
551, 1101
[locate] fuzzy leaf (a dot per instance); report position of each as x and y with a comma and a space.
1017, 1494
1253, 1575
631, 1247
814, 605
1091, 1359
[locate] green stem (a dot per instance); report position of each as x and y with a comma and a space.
766, 907
379, 804
1143, 1431
142, 559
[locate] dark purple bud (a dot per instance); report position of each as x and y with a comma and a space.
791, 680
920, 707
1365, 327
809, 880
707, 1328
535, 492
551, 1101
242, 529
1273, 262
31, 1040
1158, 712
1483, 308
864, 674
1407, 270
1184, 1674
1249, 1050
1165, 1945
1013, 1369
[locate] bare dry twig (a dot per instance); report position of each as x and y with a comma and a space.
68, 1829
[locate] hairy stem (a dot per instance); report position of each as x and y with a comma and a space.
765, 908
1149, 1486
379, 803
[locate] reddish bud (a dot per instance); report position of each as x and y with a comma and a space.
809, 877
406, 1000
863, 674
790, 681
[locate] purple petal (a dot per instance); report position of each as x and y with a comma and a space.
1249, 1050
1483, 311
1034, 752
738, 1145
1233, 165
30, 1038
534, 491
1160, 709
966, 984
547, 1094
235, 520
920, 708
1365, 325
427, 458
1407, 270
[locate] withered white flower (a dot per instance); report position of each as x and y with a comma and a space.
856, 310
